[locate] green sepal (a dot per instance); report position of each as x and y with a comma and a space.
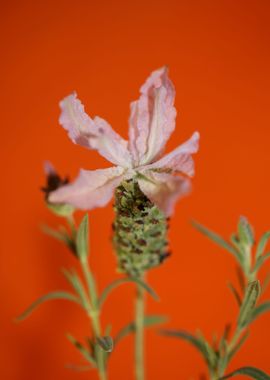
252, 372
82, 238
106, 343
61, 209
83, 350
250, 298
62, 295
149, 321
113, 285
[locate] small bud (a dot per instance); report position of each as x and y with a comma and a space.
53, 182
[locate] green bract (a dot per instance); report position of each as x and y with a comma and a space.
140, 230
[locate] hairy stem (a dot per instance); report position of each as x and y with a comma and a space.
94, 315
139, 334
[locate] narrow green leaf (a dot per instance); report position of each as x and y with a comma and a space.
262, 244
78, 286
48, 297
106, 343
82, 238
238, 346
218, 240
259, 310
82, 350
241, 278
248, 304
193, 340
149, 321
124, 280
266, 282
235, 293
252, 372
260, 261
60, 236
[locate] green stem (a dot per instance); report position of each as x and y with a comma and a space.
94, 315
100, 354
139, 334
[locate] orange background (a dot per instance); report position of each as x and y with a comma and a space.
219, 59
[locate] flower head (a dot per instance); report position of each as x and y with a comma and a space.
152, 121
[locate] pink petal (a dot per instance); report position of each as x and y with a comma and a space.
93, 133
152, 118
179, 160
90, 189
164, 189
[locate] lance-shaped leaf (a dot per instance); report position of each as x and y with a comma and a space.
262, 244
238, 346
207, 352
260, 261
83, 350
252, 372
82, 238
248, 304
149, 321
218, 240
60, 236
235, 293
78, 286
124, 280
62, 295
106, 343
259, 310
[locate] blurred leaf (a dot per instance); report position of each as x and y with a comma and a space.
82, 350
266, 282
124, 280
106, 343
108, 330
262, 244
260, 261
245, 231
249, 302
48, 297
149, 321
259, 310
195, 341
60, 236
241, 278
218, 240
235, 293
82, 238
238, 346
252, 372
78, 286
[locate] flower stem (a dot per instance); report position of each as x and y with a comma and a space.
94, 315
139, 334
